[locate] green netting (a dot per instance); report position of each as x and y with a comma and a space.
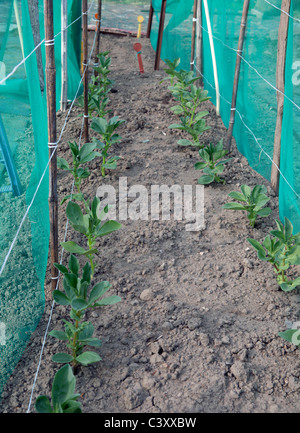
257, 97
24, 215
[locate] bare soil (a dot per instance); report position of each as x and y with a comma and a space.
197, 327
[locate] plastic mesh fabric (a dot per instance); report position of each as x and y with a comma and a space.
24, 117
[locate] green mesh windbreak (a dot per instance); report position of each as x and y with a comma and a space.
24, 177
256, 113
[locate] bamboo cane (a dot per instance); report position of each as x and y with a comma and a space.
280, 84
193, 35
64, 56
160, 34
199, 43
150, 20
85, 69
237, 73
51, 113
98, 33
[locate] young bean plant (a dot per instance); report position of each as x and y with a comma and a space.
253, 202
79, 297
81, 156
63, 397
282, 251
211, 165
99, 87
190, 97
90, 224
106, 128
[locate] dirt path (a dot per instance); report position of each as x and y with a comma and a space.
197, 328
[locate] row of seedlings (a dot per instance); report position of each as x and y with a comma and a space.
281, 247
80, 292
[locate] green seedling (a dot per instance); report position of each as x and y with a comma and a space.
291, 335
211, 165
81, 156
106, 128
77, 294
99, 88
282, 251
192, 121
102, 72
171, 70
63, 397
253, 202
91, 225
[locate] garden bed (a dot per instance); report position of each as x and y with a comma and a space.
197, 327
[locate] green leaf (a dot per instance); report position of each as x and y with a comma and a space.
108, 227
60, 335
110, 300
291, 335
98, 291
72, 247
177, 126
63, 386
61, 268
88, 357
87, 332
60, 298
237, 196
259, 248
99, 125
177, 109
62, 358
246, 190
185, 142
74, 213
200, 165
264, 212
233, 206
62, 164
42, 405
206, 179
86, 273
79, 304
74, 265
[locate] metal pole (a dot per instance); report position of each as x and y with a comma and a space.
280, 84
237, 73
85, 69
51, 111
64, 55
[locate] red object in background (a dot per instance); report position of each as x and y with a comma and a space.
138, 48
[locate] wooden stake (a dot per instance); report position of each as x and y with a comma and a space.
85, 69
237, 73
150, 20
199, 43
33, 7
64, 56
98, 33
280, 84
193, 35
160, 34
50, 71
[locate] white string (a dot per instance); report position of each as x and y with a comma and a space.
252, 133
65, 237
38, 45
276, 7
249, 64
